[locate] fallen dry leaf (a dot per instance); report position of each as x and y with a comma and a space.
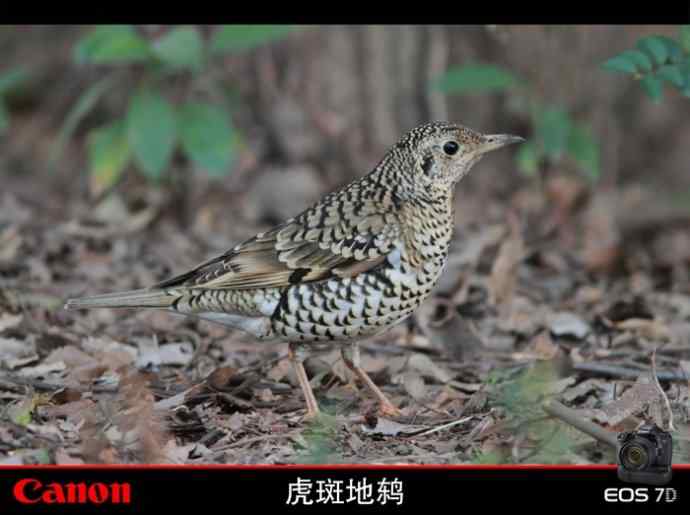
586, 387
523, 316
220, 377
43, 369
8, 321
73, 411
414, 385
10, 242
425, 366
636, 399
655, 330
15, 353
63, 458
602, 250
503, 278
71, 356
544, 347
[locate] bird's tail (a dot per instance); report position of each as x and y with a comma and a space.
145, 298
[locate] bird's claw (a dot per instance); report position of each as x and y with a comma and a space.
388, 410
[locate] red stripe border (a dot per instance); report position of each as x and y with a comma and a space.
685, 466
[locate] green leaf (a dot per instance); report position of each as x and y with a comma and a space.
181, 47
12, 79
585, 150
475, 78
621, 63
675, 51
685, 72
235, 38
653, 87
494, 457
553, 129
641, 60
684, 37
656, 47
527, 159
151, 130
207, 137
22, 412
111, 44
672, 73
109, 153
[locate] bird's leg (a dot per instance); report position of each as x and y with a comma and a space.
297, 357
350, 355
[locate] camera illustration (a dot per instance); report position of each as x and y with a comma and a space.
644, 456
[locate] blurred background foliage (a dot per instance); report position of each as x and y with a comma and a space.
153, 124
656, 60
556, 134
111, 107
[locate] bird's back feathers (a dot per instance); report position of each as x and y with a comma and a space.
346, 232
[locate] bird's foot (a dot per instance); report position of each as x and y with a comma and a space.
311, 415
389, 410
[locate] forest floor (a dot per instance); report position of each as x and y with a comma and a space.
556, 293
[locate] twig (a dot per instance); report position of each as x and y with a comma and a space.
444, 426
43, 385
255, 439
218, 451
417, 457
173, 401
662, 394
624, 372
262, 364
572, 417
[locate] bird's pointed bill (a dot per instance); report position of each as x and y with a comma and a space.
496, 141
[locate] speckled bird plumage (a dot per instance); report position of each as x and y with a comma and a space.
360, 260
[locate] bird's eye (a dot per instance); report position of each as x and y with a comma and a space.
451, 148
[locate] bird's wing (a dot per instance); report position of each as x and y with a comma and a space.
333, 238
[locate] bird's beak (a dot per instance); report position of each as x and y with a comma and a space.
496, 141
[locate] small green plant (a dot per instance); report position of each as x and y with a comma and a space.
557, 136
173, 99
521, 397
656, 60
10, 82
319, 441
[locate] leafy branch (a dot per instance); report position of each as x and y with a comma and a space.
153, 123
656, 60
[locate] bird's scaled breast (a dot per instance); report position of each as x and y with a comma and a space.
359, 306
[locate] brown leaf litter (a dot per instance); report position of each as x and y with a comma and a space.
564, 283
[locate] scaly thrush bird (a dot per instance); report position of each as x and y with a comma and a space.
360, 260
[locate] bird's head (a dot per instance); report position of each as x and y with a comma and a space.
443, 153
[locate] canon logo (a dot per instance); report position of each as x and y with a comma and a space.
32, 491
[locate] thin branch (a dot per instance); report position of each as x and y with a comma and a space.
625, 372
572, 417
444, 426
219, 451
662, 394
10, 381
